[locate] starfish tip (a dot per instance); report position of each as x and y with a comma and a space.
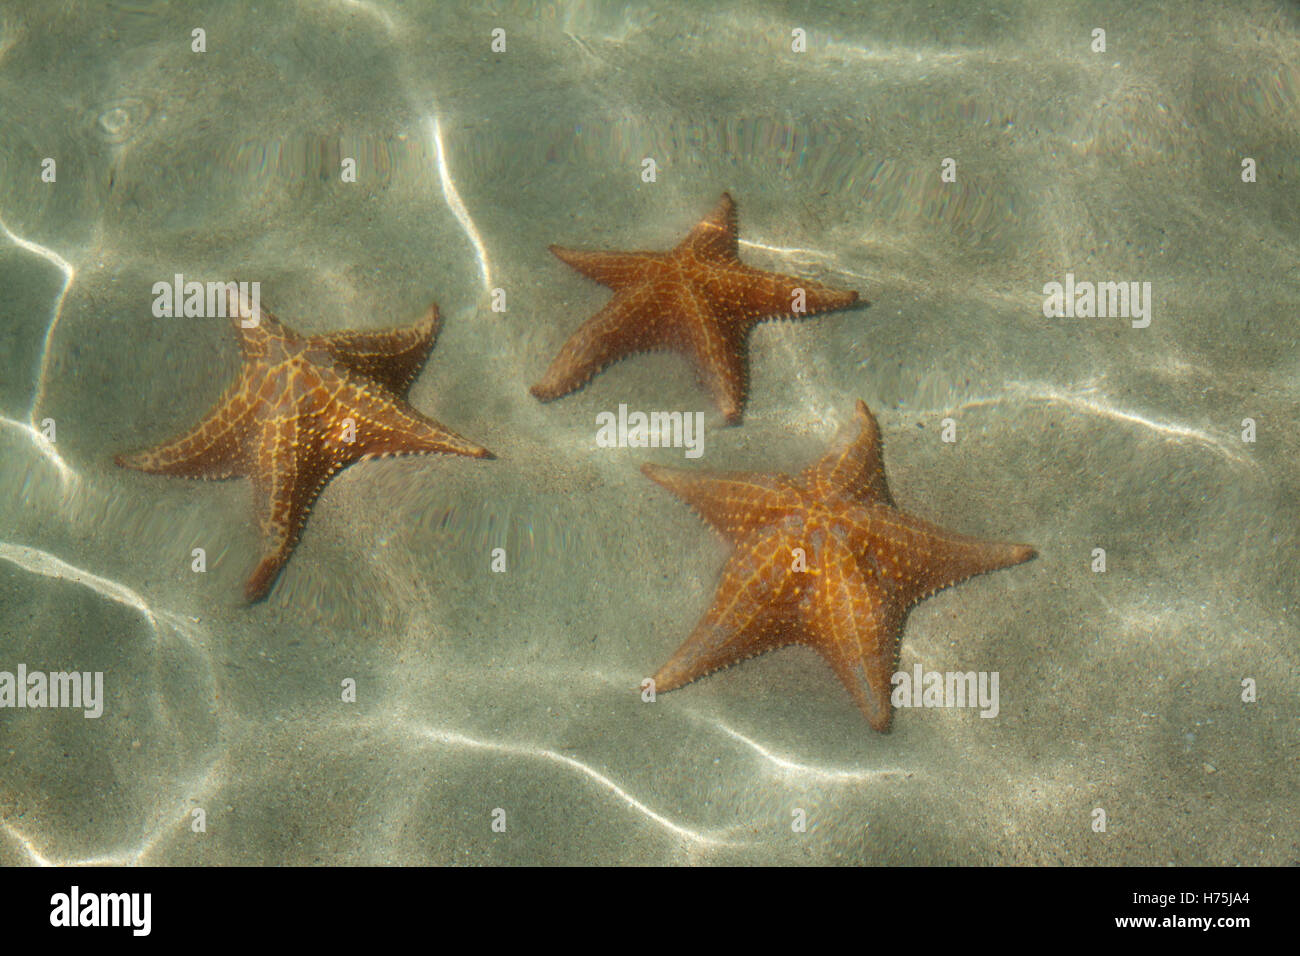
258, 586
882, 723
661, 475
666, 680
430, 318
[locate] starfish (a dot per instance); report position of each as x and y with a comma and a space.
303, 408
824, 559
699, 299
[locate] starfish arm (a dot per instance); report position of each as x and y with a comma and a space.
748, 616
290, 467
855, 469
756, 294
625, 326
255, 341
719, 357
732, 502
716, 237
942, 558
214, 448
386, 426
856, 629
391, 357
614, 269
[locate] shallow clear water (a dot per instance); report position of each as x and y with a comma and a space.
476, 690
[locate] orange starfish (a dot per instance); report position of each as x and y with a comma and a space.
303, 408
823, 559
699, 299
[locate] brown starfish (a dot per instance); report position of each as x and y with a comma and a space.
699, 299
303, 408
823, 559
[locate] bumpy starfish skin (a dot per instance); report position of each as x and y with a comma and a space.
866, 564
287, 420
699, 299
